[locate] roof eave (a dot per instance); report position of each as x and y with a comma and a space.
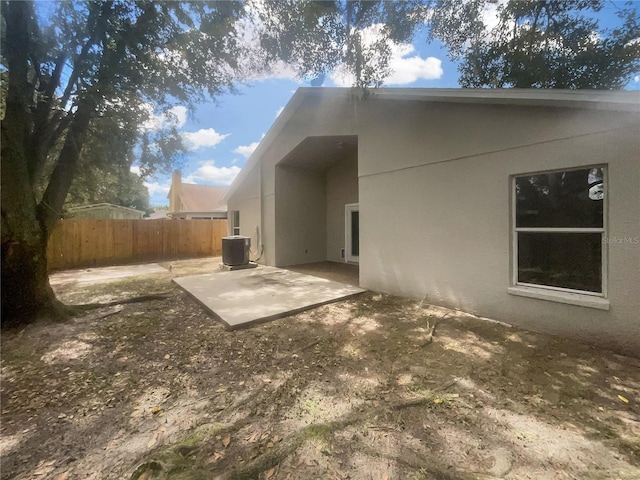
624, 101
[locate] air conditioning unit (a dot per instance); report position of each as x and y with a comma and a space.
235, 250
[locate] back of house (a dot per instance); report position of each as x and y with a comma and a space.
518, 205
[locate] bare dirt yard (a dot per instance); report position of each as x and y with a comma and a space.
352, 390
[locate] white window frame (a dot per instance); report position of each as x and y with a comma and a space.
235, 227
552, 293
349, 257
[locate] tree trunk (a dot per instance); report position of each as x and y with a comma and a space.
26, 294
25, 290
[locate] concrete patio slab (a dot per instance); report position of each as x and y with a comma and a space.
244, 297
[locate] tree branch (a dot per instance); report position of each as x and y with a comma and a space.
45, 128
50, 207
79, 61
532, 33
17, 16
15, 127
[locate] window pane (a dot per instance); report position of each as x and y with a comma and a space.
355, 234
560, 199
568, 260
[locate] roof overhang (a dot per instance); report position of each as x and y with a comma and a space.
321, 152
622, 101
190, 212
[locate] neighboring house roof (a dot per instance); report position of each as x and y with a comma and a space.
202, 198
628, 101
189, 199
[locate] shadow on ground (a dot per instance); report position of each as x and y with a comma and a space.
358, 389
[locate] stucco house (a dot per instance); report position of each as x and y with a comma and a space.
192, 201
518, 205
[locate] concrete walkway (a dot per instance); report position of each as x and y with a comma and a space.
244, 297
88, 276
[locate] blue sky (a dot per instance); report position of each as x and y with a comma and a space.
222, 136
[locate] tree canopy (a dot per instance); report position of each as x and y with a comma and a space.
539, 43
79, 81
119, 187
85, 74
318, 36
497, 43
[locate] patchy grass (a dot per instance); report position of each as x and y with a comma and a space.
356, 389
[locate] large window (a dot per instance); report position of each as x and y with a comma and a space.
559, 226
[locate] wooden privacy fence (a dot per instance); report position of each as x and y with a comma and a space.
78, 243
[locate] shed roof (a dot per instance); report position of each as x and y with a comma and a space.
96, 206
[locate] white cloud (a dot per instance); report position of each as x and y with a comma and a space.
636, 78
407, 70
250, 30
205, 137
490, 15
176, 116
153, 187
180, 115
246, 150
279, 111
278, 71
404, 69
156, 187
341, 77
209, 173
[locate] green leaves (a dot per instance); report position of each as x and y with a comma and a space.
118, 56
538, 44
109, 60
316, 37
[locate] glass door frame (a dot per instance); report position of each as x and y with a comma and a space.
349, 209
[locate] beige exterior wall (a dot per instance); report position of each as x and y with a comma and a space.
429, 132
342, 189
314, 117
301, 212
447, 228
439, 174
247, 202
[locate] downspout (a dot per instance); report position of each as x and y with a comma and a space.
260, 245
260, 221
